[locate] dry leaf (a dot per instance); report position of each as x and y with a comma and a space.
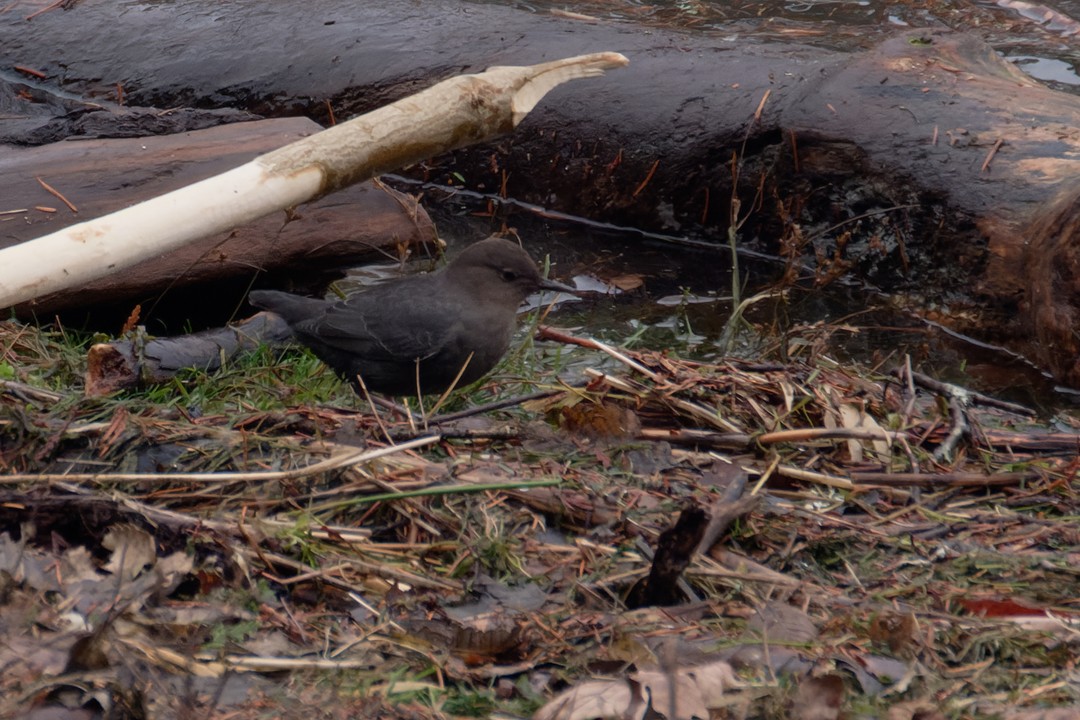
656, 685
714, 680
646, 693
595, 699
133, 550
895, 630
601, 420
818, 698
628, 282
854, 417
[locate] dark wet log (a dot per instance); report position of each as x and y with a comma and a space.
100, 176
968, 152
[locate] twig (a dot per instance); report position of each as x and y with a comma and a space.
761, 107
909, 406
430, 492
726, 559
383, 571
960, 399
810, 434
955, 479
990, 155
47, 8
57, 193
648, 177
446, 393
815, 477
700, 412
488, 407
28, 393
960, 427
374, 409
860, 216
30, 71
333, 463
690, 436
548, 333
977, 398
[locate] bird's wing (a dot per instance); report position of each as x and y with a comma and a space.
386, 326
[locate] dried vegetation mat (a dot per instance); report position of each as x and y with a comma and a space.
671, 539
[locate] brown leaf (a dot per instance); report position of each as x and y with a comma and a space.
818, 698
895, 630
631, 650
628, 282
600, 420
132, 321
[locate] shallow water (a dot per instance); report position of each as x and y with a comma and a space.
658, 293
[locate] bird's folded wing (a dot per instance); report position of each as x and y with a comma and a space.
373, 330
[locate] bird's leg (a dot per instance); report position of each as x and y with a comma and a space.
374, 410
447, 391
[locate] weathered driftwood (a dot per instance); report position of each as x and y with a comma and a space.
454, 113
974, 154
101, 176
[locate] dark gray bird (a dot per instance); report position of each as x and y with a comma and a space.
422, 329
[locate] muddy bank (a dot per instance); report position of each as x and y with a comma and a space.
918, 164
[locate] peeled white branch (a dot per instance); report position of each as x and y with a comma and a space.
452, 114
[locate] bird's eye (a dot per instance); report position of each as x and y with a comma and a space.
509, 275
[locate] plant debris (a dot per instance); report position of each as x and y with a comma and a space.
248, 544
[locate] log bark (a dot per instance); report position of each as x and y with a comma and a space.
104, 175
974, 156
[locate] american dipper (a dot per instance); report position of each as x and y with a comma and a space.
422, 329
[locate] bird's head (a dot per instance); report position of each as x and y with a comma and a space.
498, 270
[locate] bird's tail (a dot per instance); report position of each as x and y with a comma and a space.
294, 308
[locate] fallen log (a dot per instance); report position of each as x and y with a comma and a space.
454, 113
101, 176
923, 165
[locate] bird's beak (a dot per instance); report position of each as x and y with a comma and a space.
555, 286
